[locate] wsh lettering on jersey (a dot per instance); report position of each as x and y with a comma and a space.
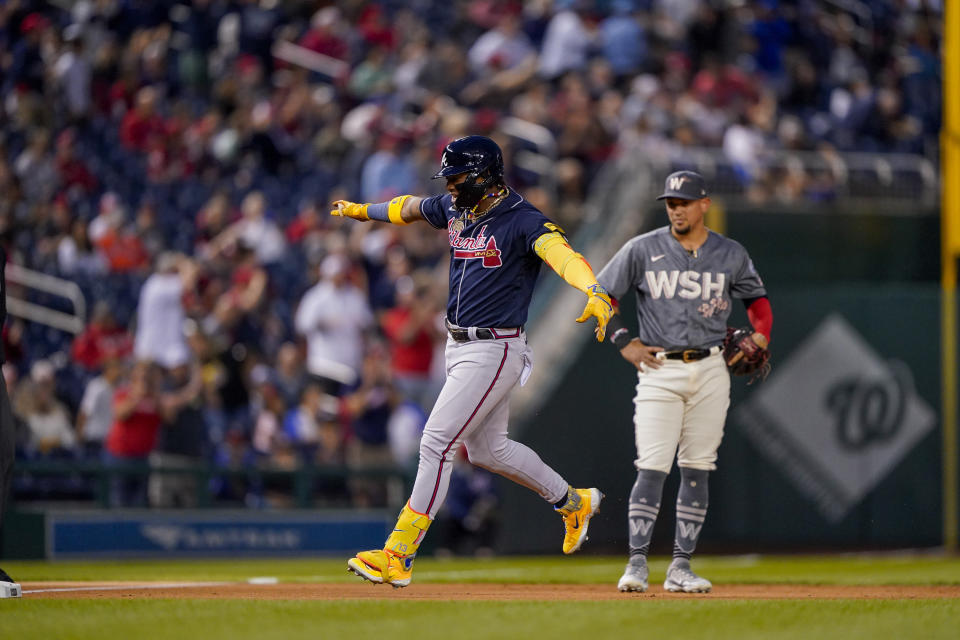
692, 284
478, 246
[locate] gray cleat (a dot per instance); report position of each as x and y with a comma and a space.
635, 575
681, 578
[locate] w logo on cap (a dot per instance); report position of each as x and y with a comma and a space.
686, 185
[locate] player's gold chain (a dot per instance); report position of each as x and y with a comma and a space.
503, 193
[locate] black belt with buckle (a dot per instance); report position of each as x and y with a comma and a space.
687, 355
460, 334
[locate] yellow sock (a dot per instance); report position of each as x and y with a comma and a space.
408, 532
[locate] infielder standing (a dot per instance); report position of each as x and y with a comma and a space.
498, 241
684, 276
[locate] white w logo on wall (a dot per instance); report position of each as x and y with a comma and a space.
689, 530
676, 182
836, 417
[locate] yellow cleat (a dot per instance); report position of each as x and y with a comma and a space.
380, 566
581, 505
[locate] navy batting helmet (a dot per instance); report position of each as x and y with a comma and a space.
478, 157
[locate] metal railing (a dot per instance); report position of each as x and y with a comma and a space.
875, 182
96, 477
19, 275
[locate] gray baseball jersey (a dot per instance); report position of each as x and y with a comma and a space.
683, 298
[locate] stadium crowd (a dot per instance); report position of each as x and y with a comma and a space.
176, 161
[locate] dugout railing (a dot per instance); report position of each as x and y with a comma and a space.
88, 482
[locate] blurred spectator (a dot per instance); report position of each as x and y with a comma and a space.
142, 125
254, 229
76, 255
566, 43
313, 429
372, 78
290, 376
368, 410
333, 316
133, 434
160, 315
110, 215
182, 442
323, 36
269, 439
248, 285
36, 169
48, 422
101, 339
12, 380
27, 66
211, 221
623, 39
74, 74
388, 172
75, 176
146, 228
503, 48
95, 414
412, 332
403, 434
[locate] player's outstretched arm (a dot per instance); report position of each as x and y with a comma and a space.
571, 266
400, 210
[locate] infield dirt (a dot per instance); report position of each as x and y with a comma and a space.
460, 592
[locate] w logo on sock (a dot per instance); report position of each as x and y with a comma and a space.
639, 526
689, 529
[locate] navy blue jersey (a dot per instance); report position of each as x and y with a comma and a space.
493, 267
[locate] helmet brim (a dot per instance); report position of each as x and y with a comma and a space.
446, 172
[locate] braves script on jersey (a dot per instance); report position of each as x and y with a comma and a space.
493, 267
683, 298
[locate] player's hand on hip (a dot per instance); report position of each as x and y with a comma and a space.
599, 306
349, 209
639, 354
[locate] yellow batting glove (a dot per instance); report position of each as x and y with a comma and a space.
349, 209
599, 306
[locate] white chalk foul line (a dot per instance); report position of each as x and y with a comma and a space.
131, 587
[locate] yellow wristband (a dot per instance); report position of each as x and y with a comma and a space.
395, 209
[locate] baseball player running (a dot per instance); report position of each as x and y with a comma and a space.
684, 276
497, 243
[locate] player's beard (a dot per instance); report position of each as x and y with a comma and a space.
680, 231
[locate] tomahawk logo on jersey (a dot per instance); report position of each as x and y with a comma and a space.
493, 267
466, 248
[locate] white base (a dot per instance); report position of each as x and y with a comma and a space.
10, 590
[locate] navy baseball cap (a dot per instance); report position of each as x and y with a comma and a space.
686, 185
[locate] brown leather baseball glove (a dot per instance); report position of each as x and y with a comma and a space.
745, 352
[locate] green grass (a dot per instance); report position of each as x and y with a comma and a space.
311, 620
845, 569
700, 618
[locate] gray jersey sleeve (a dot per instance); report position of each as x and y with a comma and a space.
746, 281
624, 270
